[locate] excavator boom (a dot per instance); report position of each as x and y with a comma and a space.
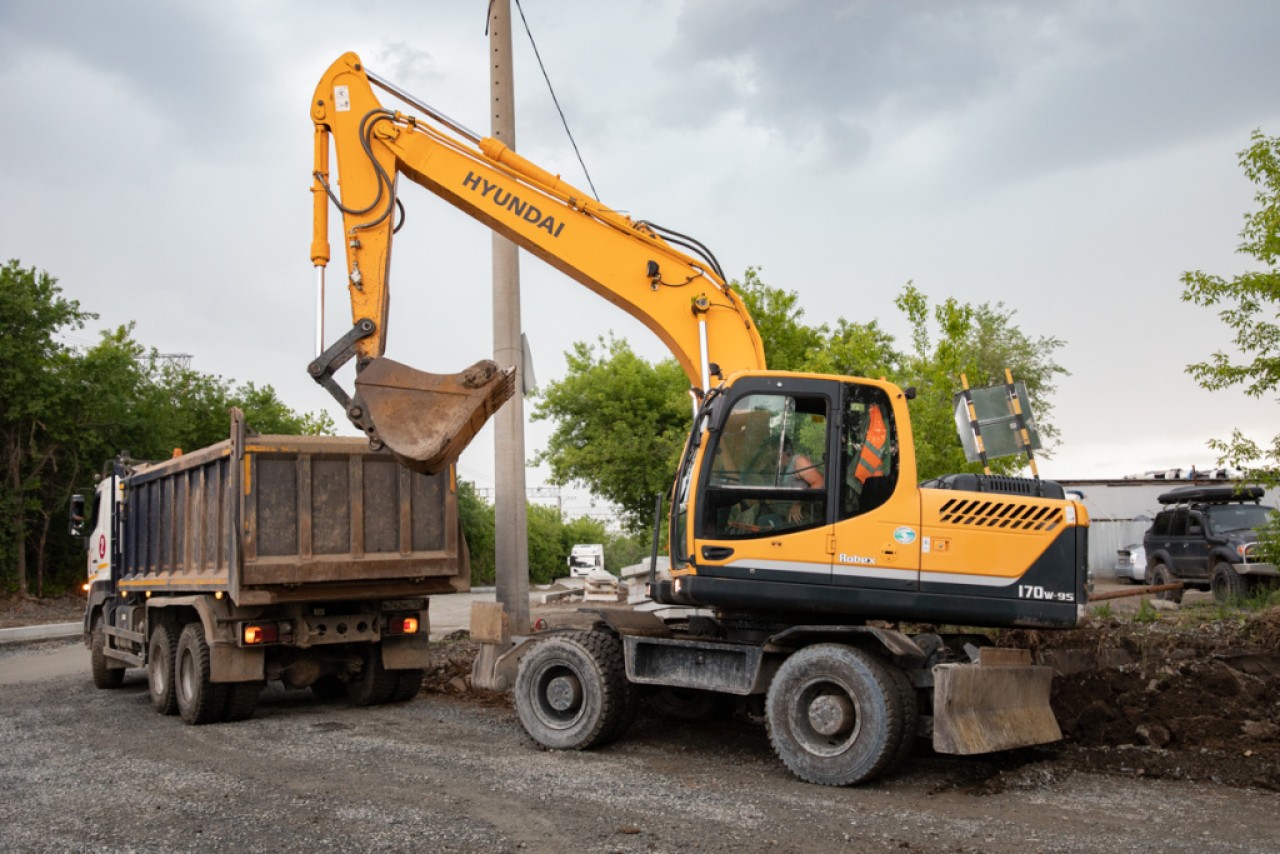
425, 419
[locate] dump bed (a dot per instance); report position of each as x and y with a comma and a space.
265, 518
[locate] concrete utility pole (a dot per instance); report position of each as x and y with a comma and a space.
510, 513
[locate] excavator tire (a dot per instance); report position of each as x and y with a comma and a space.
572, 692
835, 715
910, 707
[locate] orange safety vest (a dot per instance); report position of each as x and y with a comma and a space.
871, 459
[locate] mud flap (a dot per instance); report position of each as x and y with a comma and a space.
427, 419
998, 703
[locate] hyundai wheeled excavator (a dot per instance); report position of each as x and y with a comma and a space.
783, 585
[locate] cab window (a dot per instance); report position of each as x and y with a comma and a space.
768, 470
869, 451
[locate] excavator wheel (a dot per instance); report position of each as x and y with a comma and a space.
572, 692
835, 715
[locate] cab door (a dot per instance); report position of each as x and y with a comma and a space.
877, 536
766, 499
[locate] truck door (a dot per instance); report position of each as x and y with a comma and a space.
876, 541
766, 505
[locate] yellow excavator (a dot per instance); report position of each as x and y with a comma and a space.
799, 535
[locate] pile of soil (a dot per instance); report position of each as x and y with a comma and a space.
1178, 698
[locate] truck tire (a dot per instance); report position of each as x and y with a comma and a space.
242, 700
200, 701
104, 676
374, 685
834, 715
408, 684
1227, 584
161, 651
1160, 574
572, 692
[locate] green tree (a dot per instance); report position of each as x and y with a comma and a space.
620, 423
36, 385
478, 528
1249, 305
547, 551
953, 339
64, 412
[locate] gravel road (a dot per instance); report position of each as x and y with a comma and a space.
90, 770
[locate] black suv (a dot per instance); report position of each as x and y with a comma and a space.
1205, 538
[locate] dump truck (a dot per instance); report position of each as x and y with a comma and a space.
809, 567
304, 559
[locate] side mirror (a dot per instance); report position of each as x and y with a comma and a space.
76, 513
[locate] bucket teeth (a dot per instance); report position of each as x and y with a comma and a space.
427, 419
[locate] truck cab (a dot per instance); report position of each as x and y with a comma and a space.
585, 558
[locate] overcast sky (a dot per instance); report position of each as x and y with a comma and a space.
1069, 159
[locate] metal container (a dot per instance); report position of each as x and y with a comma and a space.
265, 519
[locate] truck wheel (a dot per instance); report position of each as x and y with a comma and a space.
242, 700
200, 701
835, 715
1226, 583
375, 684
104, 676
161, 651
408, 684
572, 692
1160, 574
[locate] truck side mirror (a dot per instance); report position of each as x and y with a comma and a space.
76, 513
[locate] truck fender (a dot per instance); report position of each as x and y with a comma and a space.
228, 661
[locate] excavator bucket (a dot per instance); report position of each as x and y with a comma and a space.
427, 419
998, 703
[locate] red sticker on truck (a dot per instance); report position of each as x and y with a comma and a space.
102, 546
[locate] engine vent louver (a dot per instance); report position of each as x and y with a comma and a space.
991, 513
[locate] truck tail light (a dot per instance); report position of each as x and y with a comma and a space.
402, 624
256, 634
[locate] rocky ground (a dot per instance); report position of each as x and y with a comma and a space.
1191, 694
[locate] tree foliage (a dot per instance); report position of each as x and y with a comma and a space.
65, 411
1249, 305
620, 422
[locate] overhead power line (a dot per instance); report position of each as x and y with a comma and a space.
564, 121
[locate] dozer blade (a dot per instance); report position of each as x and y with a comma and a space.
985, 707
427, 419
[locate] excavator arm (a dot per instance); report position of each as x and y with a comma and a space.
427, 419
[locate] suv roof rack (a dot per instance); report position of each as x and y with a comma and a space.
1211, 495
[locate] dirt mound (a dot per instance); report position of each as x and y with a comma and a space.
1184, 698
